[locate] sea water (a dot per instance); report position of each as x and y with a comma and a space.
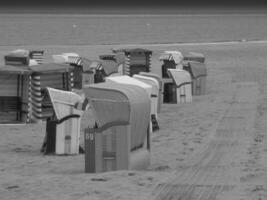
84, 29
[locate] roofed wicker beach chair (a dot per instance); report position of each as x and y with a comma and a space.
135, 60
180, 90
63, 128
198, 72
171, 60
120, 138
21, 57
22, 90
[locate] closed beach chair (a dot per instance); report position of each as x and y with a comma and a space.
135, 60
120, 138
180, 91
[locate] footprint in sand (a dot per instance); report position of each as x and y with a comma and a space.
162, 168
179, 159
99, 179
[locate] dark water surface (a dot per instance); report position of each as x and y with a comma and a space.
82, 29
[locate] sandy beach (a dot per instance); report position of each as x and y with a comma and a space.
212, 149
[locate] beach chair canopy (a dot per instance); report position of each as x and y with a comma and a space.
39, 69
59, 59
63, 102
17, 57
37, 55
106, 67
19, 53
65, 58
157, 77
85, 63
109, 66
49, 68
112, 103
175, 56
150, 81
132, 81
180, 77
70, 54
108, 57
194, 56
33, 62
111, 62
118, 57
197, 69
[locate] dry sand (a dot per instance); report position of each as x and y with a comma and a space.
212, 149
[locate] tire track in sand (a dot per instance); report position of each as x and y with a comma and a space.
216, 168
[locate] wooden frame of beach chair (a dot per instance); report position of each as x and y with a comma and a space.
63, 130
181, 89
120, 138
198, 72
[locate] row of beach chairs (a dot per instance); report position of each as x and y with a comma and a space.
119, 89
